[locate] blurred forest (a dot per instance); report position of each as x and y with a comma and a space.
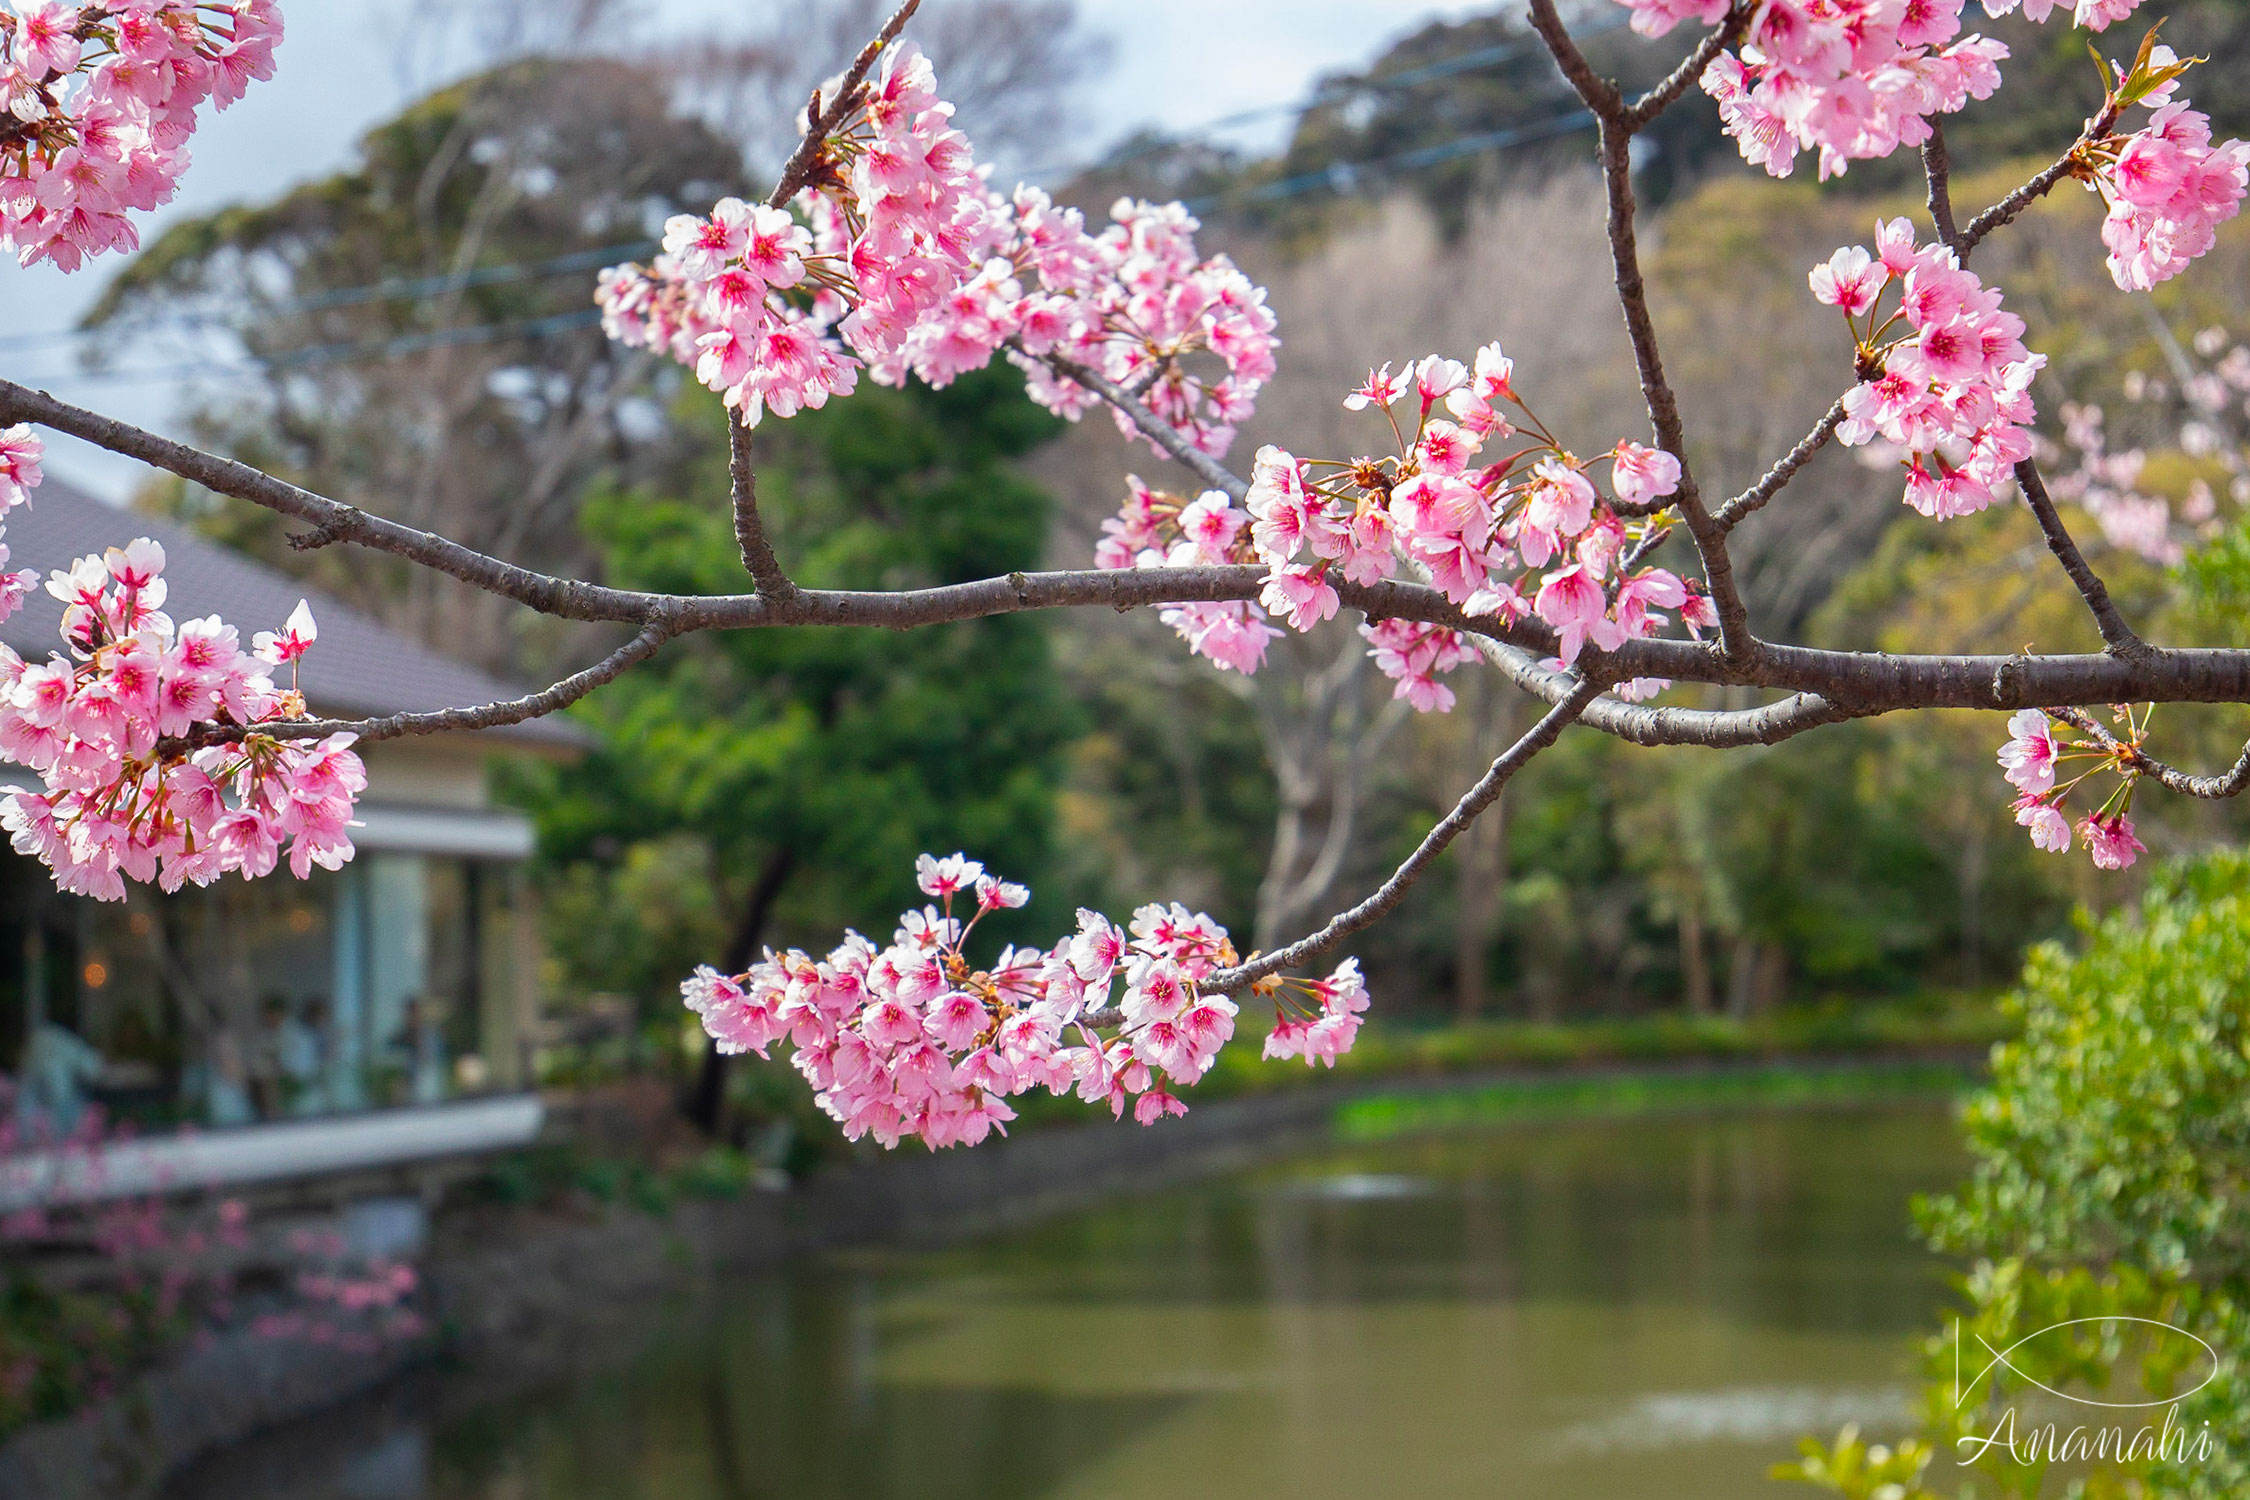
772, 789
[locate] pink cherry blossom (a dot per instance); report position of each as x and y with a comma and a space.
917, 1040
2110, 840
2029, 754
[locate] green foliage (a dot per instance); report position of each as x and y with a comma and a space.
2118, 1126
63, 1347
2110, 1151
847, 751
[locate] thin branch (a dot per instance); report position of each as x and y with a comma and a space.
1597, 93
1742, 506
1937, 171
2008, 209
1640, 724
821, 121
1392, 891
758, 558
1152, 426
2116, 634
1601, 96
2210, 788
1644, 110
459, 720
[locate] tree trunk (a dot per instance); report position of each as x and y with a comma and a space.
1742, 979
1695, 964
707, 1105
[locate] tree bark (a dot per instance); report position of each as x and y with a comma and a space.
1695, 964
707, 1105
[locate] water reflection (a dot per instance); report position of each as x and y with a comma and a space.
1613, 1309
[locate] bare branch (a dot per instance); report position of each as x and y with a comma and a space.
448, 720
1642, 725
2008, 209
1154, 427
1937, 171
1644, 110
2116, 634
1392, 891
749, 528
1742, 506
2209, 788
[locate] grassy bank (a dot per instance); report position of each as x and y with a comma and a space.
1933, 1023
1380, 1116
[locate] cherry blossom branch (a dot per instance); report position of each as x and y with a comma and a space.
1742, 506
1602, 97
458, 720
821, 121
1644, 110
1871, 682
2210, 788
1152, 426
2008, 209
758, 558
2118, 636
1392, 891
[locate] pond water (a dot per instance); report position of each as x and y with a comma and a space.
1605, 1310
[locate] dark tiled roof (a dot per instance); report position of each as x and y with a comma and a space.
358, 669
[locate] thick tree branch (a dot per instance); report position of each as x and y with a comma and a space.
758, 558
333, 520
2116, 634
1742, 506
2210, 788
1392, 891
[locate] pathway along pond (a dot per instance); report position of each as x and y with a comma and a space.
1597, 1310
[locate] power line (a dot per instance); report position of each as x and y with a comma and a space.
349, 351
1466, 62
1341, 176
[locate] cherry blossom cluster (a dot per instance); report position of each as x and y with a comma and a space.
1852, 80
2034, 761
914, 1040
100, 100
2167, 186
1952, 391
900, 259
1525, 533
112, 728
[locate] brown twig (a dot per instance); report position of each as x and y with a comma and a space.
1392, 891
2116, 634
1644, 110
1158, 431
2210, 788
1937, 171
758, 558
2008, 209
1742, 506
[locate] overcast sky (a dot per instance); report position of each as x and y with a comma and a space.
1176, 63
